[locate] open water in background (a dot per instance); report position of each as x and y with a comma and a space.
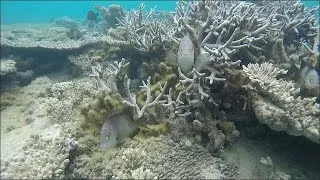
43, 11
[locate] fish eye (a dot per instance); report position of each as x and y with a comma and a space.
107, 137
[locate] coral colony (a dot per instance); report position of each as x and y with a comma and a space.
183, 77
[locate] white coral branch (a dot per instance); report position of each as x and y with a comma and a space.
116, 68
149, 102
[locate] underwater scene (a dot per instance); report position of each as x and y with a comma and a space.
160, 89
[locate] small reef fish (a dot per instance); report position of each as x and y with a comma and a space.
115, 129
91, 16
185, 55
310, 81
92, 19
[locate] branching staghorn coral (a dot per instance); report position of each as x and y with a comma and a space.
105, 80
217, 30
197, 82
197, 88
295, 16
144, 33
225, 28
149, 102
278, 105
218, 26
176, 109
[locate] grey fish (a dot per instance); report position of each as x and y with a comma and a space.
115, 129
185, 55
309, 80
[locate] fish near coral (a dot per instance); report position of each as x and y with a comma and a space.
92, 16
92, 19
310, 82
185, 56
115, 129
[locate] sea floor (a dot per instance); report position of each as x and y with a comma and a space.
18, 121
291, 156
294, 156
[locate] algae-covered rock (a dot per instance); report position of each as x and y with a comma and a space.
103, 106
87, 143
95, 113
154, 129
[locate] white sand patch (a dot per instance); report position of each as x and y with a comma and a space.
15, 129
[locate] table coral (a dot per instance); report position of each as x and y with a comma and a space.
278, 104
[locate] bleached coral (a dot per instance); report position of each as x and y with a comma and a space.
222, 31
224, 27
47, 37
7, 66
144, 32
133, 159
163, 159
105, 79
141, 173
196, 83
279, 105
63, 98
44, 156
149, 102
176, 109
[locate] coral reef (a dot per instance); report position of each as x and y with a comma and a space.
149, 102
154, 157
185, 80
7, 66
47, 147
47, 36
43, 157
110, 74
222, 32
111, 15
144, 32
278, 105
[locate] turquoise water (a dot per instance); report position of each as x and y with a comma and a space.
43, 11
